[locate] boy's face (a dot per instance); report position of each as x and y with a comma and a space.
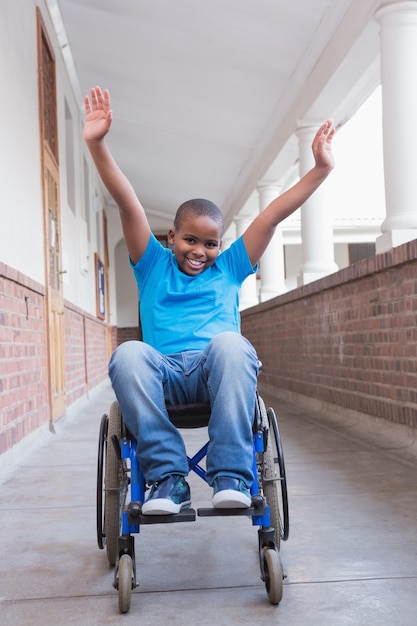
196, 244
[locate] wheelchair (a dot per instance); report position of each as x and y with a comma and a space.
121, 491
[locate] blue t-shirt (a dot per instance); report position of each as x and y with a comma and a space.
180, 312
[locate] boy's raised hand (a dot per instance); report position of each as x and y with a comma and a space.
322, 146
98, 115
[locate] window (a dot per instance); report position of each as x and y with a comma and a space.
359, 251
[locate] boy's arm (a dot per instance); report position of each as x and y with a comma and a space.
260, 232
97, 124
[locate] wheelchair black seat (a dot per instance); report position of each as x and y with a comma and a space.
195, 415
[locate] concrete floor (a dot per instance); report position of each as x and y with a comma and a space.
351, 558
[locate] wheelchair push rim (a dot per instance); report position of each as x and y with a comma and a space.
279, 460
272, 474
102, 443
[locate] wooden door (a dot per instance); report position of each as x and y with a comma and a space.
52, 225
55, 300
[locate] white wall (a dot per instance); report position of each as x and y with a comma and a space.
81, 225
21, 203
126, 289
21, 231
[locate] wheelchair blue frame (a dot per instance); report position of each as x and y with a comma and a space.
137, 482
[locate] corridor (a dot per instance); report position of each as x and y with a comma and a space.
351, 557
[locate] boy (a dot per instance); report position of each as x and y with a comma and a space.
192, 349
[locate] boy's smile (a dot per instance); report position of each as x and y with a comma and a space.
196, 243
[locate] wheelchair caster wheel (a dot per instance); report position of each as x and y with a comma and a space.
273, 575
125, 582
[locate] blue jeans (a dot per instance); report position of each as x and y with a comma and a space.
224, 374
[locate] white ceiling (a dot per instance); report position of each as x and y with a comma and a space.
206, 94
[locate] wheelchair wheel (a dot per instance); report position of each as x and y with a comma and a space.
125, 582
102, 442
273, 575
273, 478
115, 483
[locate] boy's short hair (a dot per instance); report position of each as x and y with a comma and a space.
199, 207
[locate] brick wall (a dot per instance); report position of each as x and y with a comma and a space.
127, 334
75, 359
96, 351
85, 352
113, 338
23, 385
349, 339
24, 403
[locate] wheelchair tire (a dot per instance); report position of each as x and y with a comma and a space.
273, 477
102, 442
115, 484
125, 582
273, 575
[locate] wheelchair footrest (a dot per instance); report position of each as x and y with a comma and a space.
186, 515
212, 512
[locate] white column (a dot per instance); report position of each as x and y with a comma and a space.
398, 41
316, 220
272, 261
248, 293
